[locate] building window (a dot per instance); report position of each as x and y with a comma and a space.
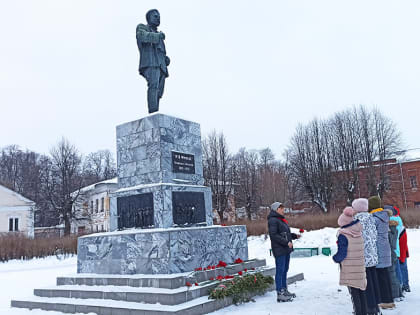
102, 228
97, 228
13, 224
417, 204
97, 206
91, 206
102, 204
413, 181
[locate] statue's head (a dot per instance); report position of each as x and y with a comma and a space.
153, 17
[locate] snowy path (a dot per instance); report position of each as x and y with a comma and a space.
318, 294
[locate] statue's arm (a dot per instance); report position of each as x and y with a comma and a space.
146, 36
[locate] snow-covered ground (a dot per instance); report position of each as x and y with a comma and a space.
318, 294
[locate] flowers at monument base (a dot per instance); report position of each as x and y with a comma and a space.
243, 288
245, 270
196, 284
188, 284
212, 278
198, 269
238, 261
301, 230
240, 273
221, 264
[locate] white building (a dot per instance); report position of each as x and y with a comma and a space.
94, 205
16, 213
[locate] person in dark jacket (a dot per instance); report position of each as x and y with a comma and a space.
384, 251
281, 245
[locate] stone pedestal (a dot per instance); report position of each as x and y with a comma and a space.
160, 251
161, 215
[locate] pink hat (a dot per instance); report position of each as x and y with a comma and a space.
346, 217
360, 205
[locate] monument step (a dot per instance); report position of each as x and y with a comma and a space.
131, 294
172, 281
201, 305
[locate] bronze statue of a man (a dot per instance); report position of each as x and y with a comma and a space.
153, 59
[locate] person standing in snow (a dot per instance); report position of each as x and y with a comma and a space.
396, 218
397, 293
350, 256
281, 245
369, 234
403, 260
381, 218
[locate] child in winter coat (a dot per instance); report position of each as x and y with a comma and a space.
350, 256
397, 294
396, 217
381, 218
403, 260
369, 234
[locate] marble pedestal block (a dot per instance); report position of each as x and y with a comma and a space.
145, 149
160, 251
162, 203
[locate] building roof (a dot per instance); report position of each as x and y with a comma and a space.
10, 198
112, 181
410, 155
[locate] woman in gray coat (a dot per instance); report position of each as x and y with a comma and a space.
384, 251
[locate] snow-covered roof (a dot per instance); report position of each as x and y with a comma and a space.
10, 198
104, 182
410, 155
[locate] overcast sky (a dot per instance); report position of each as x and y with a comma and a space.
252, 69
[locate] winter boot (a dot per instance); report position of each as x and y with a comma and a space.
406, 288
287, 293
387, 306
282, 297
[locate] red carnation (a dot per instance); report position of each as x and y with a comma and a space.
198, 269
301, 230
221, 264
245, 270
188, 284
253, 268
223, 224
211, 278
255, 279
220, 278
213, 267
240, 273
238, 261
196, 284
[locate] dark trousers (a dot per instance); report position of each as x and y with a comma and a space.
155, 85
384, 285
282, 266
358, 298
373, 295
398, 271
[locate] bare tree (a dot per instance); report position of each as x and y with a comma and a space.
248, 192
62, 177
99, 166
218, 171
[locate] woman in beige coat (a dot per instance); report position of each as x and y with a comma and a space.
350, 256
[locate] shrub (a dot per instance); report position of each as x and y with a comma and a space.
21, 247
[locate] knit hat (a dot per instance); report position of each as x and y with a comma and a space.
276, 205
346, 217
375, 202
360, 205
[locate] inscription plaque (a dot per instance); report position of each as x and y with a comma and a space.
183, 163
135, 211
188, 208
